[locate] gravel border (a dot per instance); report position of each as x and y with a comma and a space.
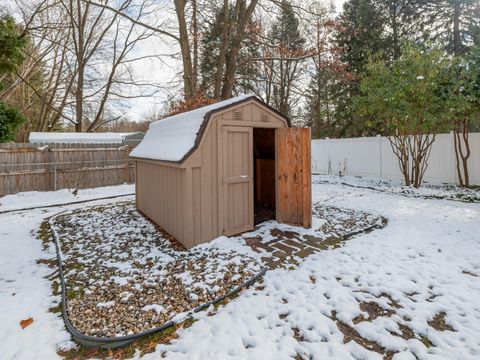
117, 341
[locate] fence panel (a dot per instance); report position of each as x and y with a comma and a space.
373, 157
42, 167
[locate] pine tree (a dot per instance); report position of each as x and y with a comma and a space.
328, 79
454, 24
400, 20
211, 45
361, 33
323, 92
10, 46
10, 59
288, 48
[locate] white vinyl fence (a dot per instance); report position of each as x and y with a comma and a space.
373, 157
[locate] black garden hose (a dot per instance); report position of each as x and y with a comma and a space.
119, 341
64, 204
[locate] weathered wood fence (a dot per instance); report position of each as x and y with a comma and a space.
41, 167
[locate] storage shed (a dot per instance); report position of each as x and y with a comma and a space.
218, 169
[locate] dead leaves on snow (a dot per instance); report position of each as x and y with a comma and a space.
26, 322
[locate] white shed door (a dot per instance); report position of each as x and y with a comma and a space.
236, 172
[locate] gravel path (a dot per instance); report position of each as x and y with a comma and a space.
125, 276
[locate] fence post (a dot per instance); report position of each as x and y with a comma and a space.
453, 159
329, 161
380, 160
47, 160
127, 165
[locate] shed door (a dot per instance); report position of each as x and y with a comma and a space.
294, 185
237, 179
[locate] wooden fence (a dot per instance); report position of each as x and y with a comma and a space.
41, 167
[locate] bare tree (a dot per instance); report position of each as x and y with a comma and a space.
86, 56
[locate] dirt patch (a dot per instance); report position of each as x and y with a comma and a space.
439, 323
350, 334
373, 310
405, 332
297, 335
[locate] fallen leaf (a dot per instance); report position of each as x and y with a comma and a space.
26, 322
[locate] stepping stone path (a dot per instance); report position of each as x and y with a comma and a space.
288, 248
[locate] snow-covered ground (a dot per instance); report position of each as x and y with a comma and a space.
429, 191
25, 290
425, 262
46, 198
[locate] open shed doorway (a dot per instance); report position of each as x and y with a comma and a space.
264, 175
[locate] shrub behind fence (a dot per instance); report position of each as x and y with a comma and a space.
44, 167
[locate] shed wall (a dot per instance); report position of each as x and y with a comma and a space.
205, 189
160, 195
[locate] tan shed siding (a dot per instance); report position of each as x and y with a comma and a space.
197, 203
208, 185
160, 196
252, 112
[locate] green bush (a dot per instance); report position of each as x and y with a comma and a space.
10, 119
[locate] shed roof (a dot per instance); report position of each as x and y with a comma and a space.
76, 138
175, 137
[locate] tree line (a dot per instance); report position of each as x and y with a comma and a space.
406, 68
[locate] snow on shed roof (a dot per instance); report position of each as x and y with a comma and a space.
76, 138
172, 138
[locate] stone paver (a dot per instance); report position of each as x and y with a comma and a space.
286, 246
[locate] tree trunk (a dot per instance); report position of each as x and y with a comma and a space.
223, 51
457, 41
462, 152
79, 99
231, 68
195, 44
396, 43
188, 78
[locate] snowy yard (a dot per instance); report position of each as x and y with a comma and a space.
409, 290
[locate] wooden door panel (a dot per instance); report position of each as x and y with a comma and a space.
237, 179
294, 191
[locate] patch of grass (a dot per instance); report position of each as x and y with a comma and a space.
144, 345
189, 322
439, 323
350, 334
51, 263
426, 341
57, 309
373, 310
44, 235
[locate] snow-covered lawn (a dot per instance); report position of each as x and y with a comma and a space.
409, 290
25, 290
428, 191
47, 198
